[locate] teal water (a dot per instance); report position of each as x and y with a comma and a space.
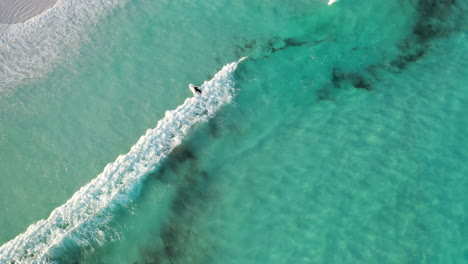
344, 142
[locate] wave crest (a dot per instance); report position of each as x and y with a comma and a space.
82, 218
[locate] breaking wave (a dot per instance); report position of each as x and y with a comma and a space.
83, 217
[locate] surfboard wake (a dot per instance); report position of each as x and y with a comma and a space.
81, 219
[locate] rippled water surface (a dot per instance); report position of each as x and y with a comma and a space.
338, 139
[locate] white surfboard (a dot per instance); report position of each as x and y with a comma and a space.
330, 2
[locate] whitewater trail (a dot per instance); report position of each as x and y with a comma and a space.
82, 218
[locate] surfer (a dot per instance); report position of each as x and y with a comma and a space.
197, 89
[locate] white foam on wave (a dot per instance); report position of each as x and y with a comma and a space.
29, 49
86, 213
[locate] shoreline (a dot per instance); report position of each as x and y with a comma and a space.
19, 11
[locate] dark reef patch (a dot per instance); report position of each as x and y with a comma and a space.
340, 79
243, 50
192, 194
436, 18
277, 44
406, 57
190, 197
356, 80
324, 95
194, 190
433, 18
178, 157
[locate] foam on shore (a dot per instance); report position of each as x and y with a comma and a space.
30, 49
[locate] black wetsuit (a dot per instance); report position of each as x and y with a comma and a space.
197, 89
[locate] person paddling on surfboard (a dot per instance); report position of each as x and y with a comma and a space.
197, 89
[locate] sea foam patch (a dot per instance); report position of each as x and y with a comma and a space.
29, 49
82, 218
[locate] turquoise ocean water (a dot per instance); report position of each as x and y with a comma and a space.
339, 138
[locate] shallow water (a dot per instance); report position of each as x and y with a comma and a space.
344, 142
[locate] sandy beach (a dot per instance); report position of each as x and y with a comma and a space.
18, 11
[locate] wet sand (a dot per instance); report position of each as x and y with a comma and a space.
18, 11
